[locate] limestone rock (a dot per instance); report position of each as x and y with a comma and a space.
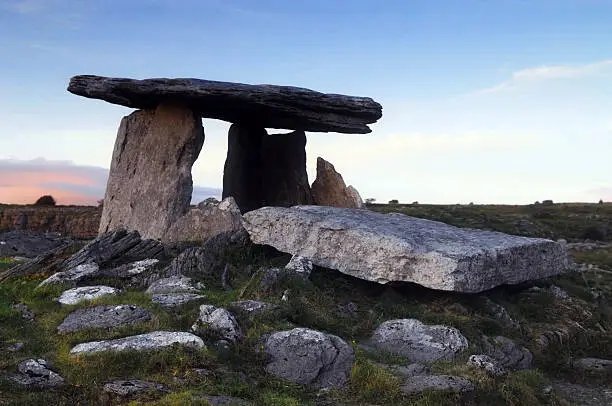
169, 300
309, 357
205, 221
418, 384
72, 275
143, 342
284, 177
149, 185
104, 317
75, 295
408, 371
218, 323
25, 311
507, 353
394, 247
267, 105
329, 188
593, 365
419, 342
133, 386
36, 373
175, 284
300, 265
254, 307
500, 313
486, 363
138, 274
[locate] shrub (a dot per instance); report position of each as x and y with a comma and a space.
46, 200
394, 201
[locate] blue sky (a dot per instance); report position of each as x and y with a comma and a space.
500, 101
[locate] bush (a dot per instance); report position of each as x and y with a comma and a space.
45, 200
394, 201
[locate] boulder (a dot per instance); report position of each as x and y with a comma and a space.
418, 384
217, 323
149, 185
104, 317
507, 353
144, 342
284, 178
329, 188
417, 341
75, 295
395, 247
72, 275
486, 363
132, 387
268, 106
309, 357
169, 300
204, 221
175, 284
37, 374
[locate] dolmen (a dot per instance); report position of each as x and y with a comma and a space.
150, 185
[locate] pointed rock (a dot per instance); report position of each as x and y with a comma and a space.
329, 188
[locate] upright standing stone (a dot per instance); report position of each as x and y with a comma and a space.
149, 185
285, 180
242, 174
329, 188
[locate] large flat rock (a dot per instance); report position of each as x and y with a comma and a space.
395, 247
267, 106
156, 340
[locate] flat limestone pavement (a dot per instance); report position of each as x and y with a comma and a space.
395, 247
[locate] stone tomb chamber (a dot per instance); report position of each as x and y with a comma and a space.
150, 184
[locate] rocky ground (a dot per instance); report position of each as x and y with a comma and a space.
232, 323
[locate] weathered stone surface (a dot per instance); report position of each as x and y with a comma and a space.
417, 341
507, 353
268, 106
72, 275
284, 177
174, 299
593, 365
175, 284
243, 169
104, 317
74, 296
254, 307
418, 384
132, 387
149, 185
36, 373
309, 357
217, 323
205, 221
300, 265
143, 342
29, 243
15, 347
394, 247
329, 188
486, 363
414, 369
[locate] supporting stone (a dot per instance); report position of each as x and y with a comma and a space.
149, 185
329, 188
285, 180
242, 174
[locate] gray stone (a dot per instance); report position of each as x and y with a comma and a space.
15, 347
132, 387
501, 314
218, 323
36, 373
507, 353
75, 295
417, 341
144, 342
482, 361
309, 357
415, 369
268, 106
72, 275
593, 365
104, 317
169, 300
254, 307
329, 188
394, 247
175, 284
149, 186
270, 279
26, 313
300, 265
418, 384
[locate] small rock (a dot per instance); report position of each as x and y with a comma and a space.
309, 357
168, 300
175, 284
300, 265
254, 307
26, 313
286, 295
217, 322
417, 341
72, 275
596, 365
559, 293
15, 347
36, 373
104, 317
418, 384
143, 342
507, 353
132, 387
270, 279
74, 296
487, 363
501, 314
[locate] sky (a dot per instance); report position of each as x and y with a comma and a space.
499, 101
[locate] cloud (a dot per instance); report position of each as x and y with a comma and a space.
24, 181
546, 73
